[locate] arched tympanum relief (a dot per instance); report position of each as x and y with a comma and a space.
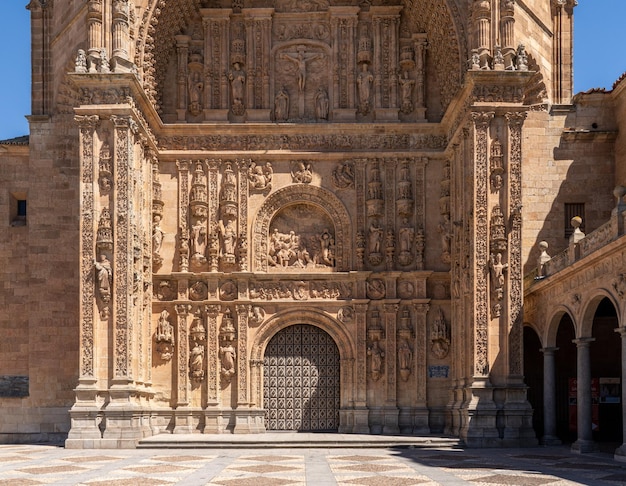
302, 227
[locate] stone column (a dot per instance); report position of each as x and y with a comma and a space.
242, 423
585, 442
119, 29
620, 452
549, 398
183, 215
94, 22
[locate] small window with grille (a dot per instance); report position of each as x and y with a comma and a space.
572, 210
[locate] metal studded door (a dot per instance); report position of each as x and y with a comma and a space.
301, 382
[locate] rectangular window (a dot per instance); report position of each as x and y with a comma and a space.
18, 209
572, 210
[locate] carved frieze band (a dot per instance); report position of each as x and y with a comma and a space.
340, 142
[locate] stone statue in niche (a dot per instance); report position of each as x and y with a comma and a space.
281, 105
497, 269
237, 80
301, 172
164, 337
195, 86
227, 360
440, 336
199, 242
300, 59
405, 358
327, 249
406, 93
377, 355
321, 104
104, 278
157, 240
228, 235
260, 177
364, 84
196, 362
406, 237
374, 243
343, 175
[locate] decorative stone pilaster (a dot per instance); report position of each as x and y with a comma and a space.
584, 443
420, 418
123, 249
183, 214
182, 416
361, 413
242, 424
390, 409
84, 412
482, 121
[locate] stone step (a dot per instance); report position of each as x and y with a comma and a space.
290, 440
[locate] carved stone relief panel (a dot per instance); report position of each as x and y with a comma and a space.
302, 236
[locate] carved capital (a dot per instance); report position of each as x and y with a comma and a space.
212, 310
482, 119
516, 118
183, 309
87, 121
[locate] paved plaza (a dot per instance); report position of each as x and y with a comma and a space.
32, 465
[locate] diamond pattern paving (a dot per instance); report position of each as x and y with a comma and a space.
255, 481
385, 480
510, 480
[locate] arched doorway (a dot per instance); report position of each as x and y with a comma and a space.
566, 372
606, 375
533, 376
301, 386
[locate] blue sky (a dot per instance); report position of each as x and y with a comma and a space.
599, 55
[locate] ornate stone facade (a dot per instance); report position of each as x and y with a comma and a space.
245, 168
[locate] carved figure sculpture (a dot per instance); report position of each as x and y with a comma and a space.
321, 104
281, 105
196, 362
301, 172
228, 355
406, 90
199, 242
237, 84
195, 87
157, 235
343, 175
256, 315
376, 355
327, 244
228, 233
364, 84
80, 65
260, 177
375, 237
104, 278
405, 358
497, 274
300, 59
164, 337
440, 336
